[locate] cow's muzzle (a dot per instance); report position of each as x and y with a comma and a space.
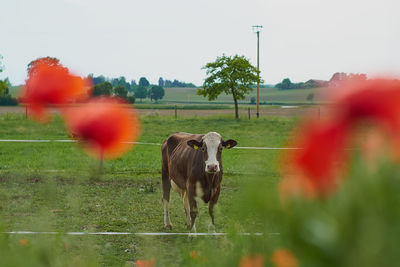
212, 168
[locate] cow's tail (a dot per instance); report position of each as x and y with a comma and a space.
166, 183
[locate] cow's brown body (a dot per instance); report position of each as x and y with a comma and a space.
183, 168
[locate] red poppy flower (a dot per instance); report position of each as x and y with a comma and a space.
324, 145
374, 100
322, 148
105, 126
50, 84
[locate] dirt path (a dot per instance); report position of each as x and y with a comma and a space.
274, 111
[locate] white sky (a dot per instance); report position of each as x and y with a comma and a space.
302, 39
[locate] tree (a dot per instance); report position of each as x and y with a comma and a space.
231, 75
167, 84
51, 61
3, 87
190, 85
131, 99
128, 87
114, 82
161, 82
253, 100
98, 79
285, 84
141, 92
102, 89
3, 84
5, 98
122, 82
120, 91
176, 83
156, 92
144, 82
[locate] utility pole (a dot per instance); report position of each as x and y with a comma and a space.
257, 29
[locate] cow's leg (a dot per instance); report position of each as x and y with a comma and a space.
166, 189
187, 208
193, 209
211, 226
213, 201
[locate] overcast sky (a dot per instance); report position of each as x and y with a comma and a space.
302, 39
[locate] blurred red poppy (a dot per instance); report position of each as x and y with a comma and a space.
194, 254
23, 242
314, 169
146, 263
105, 126
374, 100
322, 148
252, 261
284, 258
51, 84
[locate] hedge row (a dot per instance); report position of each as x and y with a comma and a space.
8, 100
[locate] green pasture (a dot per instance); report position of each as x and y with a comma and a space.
57, 187
185, 96
179, 106
267, 96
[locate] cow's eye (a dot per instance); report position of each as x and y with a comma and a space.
220, 148
203, 148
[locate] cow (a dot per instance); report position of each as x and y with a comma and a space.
192, 165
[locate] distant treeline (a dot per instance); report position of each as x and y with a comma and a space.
263, 86
174, 83
127, 90
287, 84
5, 98
131, 86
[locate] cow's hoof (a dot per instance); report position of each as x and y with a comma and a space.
168, 227
192, 235
211, 228
192, 232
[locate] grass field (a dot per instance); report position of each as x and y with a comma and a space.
56, 187
267, 96
188, 96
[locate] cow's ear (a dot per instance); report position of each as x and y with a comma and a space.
194, 144
229, 143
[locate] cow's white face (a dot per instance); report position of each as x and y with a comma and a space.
212, 141
211, 145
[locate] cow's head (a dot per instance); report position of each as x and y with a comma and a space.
211, 145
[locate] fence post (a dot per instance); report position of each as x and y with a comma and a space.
176, 113
248, 111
